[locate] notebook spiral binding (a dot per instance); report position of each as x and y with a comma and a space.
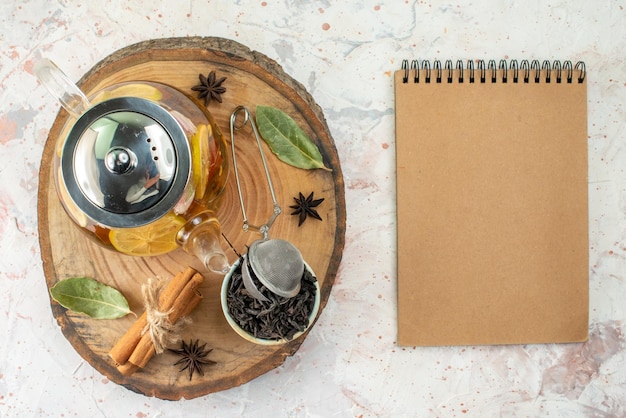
524, 72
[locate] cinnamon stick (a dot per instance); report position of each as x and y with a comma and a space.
127, 368
185, 302
126, 345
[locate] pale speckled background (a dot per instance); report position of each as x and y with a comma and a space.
344, 53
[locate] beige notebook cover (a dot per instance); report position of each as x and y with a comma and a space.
491, 203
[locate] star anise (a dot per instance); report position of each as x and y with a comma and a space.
304, 207
193, 357
210, 88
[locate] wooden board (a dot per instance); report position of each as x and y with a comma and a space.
253, 79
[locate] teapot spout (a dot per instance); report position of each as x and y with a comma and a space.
60, 86
200, 236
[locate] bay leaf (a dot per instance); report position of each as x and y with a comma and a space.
89, 296
287, 140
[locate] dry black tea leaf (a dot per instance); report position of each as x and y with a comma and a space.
278, 318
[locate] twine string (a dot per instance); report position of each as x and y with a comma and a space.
162, 331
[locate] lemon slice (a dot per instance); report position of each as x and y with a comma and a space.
133, 90
200, 158
156, 238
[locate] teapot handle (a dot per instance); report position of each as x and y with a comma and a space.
60, 86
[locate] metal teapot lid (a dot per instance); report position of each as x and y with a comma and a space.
126, 162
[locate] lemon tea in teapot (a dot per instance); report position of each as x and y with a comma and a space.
140, 167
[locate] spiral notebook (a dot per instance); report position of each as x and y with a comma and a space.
492, 214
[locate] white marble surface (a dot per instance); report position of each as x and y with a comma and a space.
344, 52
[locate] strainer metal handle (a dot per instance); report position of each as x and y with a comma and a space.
264, 228
277, 264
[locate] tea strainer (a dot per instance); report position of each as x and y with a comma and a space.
276, 263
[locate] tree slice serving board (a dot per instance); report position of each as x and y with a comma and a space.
252, 79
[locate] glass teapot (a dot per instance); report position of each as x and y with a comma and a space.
140, 167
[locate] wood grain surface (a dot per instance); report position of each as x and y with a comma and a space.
252, 79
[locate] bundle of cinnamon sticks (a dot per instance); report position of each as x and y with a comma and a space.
179, 298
